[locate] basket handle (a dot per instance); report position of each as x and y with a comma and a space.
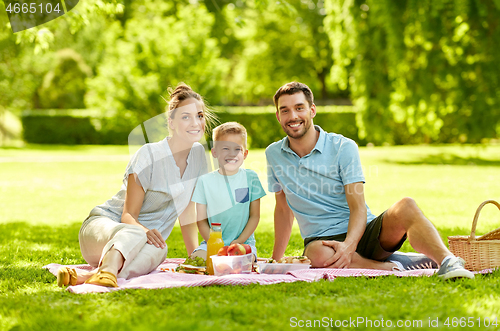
476, 217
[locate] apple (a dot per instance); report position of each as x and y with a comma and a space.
236, 249
223, 269
248, 249
237, 266
223, 251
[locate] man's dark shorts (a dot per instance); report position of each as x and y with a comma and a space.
369, 245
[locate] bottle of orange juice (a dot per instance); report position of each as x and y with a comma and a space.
214, 243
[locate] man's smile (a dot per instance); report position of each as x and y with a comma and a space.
295, 124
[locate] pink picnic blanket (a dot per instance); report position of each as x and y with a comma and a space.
167, 279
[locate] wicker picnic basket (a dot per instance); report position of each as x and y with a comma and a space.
479, 253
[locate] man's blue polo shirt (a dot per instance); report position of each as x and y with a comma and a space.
314, 184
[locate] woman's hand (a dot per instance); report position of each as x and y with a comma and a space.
155, 238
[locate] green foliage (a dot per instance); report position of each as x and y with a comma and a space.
64, 85
160, 45
283, 42
20, 72
419, 71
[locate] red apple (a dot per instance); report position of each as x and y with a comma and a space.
223, 269
223, 251
248, 249
236, 249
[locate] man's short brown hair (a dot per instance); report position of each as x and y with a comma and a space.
292, 88
230, 128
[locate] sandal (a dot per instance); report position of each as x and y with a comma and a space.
66, 276
103, 278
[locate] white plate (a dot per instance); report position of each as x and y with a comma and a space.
281, 268
192, 267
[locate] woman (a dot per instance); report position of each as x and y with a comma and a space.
125, 236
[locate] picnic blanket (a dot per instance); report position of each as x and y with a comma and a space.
168, 279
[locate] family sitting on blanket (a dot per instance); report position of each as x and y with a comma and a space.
317, 178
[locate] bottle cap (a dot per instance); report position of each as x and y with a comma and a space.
216, 224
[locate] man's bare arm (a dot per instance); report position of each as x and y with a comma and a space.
283, 221
357, 223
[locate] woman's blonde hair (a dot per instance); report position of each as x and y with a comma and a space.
183, 92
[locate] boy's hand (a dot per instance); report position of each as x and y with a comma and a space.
235, 242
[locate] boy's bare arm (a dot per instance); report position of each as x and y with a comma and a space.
252, 223
202, 221
283, 221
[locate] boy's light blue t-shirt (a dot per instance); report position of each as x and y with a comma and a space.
228, 200
314, 184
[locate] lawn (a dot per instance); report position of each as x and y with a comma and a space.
47, 191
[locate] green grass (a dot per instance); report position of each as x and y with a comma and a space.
47, 191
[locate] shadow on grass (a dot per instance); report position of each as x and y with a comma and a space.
447, 159
21, 241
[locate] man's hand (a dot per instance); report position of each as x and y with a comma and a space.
155, 238
343, 254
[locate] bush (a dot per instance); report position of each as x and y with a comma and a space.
64, 85
263, 128
65, 130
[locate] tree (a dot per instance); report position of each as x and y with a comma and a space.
419, 70
161, 44
64, 86
279, 43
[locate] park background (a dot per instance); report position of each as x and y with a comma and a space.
414, 83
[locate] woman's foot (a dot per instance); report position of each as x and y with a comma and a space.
68, 276
103, 278
111, 264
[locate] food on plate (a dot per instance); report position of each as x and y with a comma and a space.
196, 265
284, 265
187, 269
291, 259
236, 249
195, 261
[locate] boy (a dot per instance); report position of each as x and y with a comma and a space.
229, 195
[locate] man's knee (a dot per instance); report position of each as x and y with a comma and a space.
405, 209
318, 253
408, 203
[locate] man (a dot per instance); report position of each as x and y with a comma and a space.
317, 178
